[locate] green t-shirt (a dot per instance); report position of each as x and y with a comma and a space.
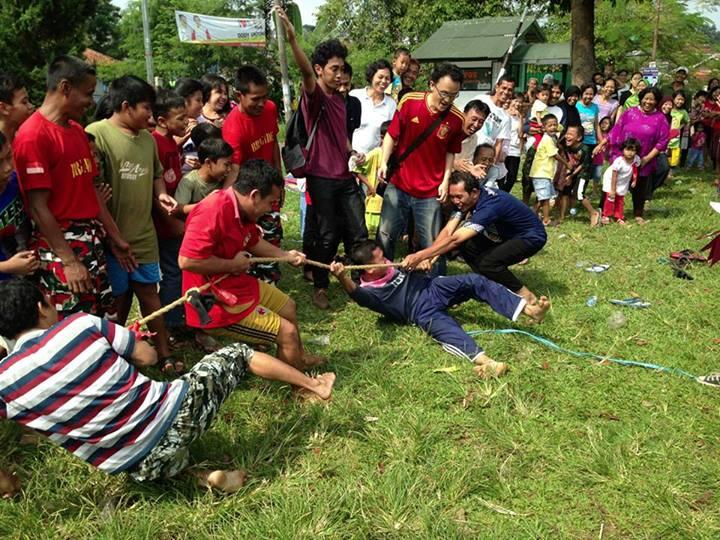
193, 189
680, 118
130, 163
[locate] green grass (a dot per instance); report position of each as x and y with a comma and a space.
559, 448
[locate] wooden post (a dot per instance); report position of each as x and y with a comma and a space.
282, 54
656, 30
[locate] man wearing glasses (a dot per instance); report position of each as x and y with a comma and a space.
420, 183
496, 130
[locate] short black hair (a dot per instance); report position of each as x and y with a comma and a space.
547, 118
400, 51
68, 68
166, 101
572, 91
213, 149
508, 78
258, 174
543, 88
461, 177
347, 69
483, 146
247, 75
477, 105
186, 87
211, 82
132, 89
203, 131
631, 142
376, 66
651, 90
590, 86
625, 71
447, 70
9, 84
558, 84
326, 50
384, 127
19, 312
362, 252
581, 130
103, 109
701, 93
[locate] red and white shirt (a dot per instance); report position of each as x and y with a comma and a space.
72, 384
421, 174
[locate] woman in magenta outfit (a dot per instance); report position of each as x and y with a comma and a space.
649, 126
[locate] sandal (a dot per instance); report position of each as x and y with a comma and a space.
171, 366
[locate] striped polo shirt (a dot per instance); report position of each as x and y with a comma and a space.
72, 384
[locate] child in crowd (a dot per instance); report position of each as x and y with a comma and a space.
679, 119
400, 64
416, 298
15, 258
619, 177
191, 91
132, 168
538, 111
367, 174
579, 173
484, 168
696, 153
517, 140
601, 152
544, 165
171, 122
215, 158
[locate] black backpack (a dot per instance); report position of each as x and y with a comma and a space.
298, 142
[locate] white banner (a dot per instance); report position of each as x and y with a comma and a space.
209, 30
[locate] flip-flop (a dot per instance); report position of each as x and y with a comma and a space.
631, 302
171, 366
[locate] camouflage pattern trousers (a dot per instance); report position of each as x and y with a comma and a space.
210, 383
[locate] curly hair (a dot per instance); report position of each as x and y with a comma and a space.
326, 50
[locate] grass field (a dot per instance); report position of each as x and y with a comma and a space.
561, 447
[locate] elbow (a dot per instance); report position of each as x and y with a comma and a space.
185, 264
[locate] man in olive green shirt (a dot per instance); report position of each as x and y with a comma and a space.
130, 164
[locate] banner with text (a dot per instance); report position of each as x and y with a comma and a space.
210, 30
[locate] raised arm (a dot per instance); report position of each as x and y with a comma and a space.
309, 79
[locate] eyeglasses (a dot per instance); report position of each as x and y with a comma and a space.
450, 96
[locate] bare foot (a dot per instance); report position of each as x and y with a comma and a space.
312, 360
481, 359
527, 295
225, 481
321, 388
491, 369
594, 219
538, 310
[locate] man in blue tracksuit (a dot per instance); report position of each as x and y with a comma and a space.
419, 299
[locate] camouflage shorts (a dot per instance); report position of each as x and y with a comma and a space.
85, 239
272, 231
210, 382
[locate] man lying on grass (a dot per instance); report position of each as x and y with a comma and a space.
76, 382
419, 299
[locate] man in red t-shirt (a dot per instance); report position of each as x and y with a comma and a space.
251, 129
420, 184
56, 169
220, 234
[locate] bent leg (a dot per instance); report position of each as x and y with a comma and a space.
446, 330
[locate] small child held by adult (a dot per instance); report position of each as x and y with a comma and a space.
544, 165
538, 111
139, 426
215, 162
400, 64
618, 179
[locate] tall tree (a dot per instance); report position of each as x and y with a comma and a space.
582, 13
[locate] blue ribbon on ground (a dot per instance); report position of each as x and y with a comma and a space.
552, 345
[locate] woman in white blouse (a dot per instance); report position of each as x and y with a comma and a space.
377, 106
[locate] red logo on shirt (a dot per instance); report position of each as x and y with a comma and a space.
443, 131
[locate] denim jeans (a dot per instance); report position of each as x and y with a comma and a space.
171, 282
396, 209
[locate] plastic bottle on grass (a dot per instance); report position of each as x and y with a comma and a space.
616, 320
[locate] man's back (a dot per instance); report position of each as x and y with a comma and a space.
392, 295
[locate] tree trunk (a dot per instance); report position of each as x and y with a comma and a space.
582, 14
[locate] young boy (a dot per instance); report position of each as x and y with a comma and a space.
416, 298
15, 106
400, 64
15, 259
171, 122
100, 407
579, 173
544, 165
697, 147
483, 165
215, 157
132, 168
367, 174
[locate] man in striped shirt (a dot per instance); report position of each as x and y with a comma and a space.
76, 382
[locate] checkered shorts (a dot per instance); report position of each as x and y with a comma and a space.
210, 382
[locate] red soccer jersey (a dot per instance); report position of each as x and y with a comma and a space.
215, 228
56, 158
252, 137
422, 172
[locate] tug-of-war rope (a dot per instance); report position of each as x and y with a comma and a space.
223, 295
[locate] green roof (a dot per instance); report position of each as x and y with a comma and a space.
472, 39
544, 53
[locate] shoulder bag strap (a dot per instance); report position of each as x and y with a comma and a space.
424, 135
